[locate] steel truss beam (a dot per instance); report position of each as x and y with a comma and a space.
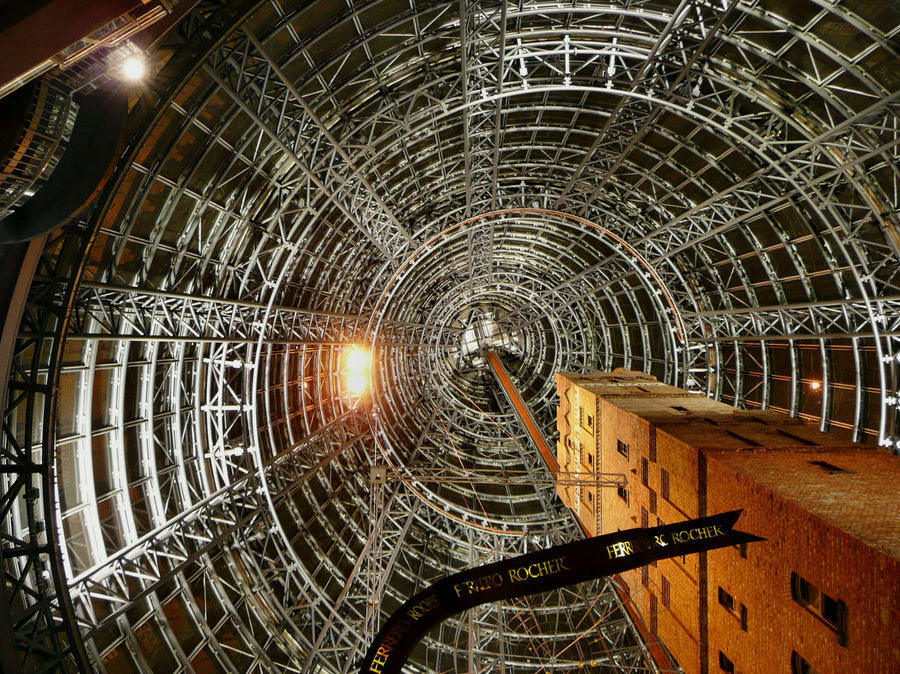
330, 159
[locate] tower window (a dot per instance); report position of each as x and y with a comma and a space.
832, 612
726, 599
801, 666
622, 448
664, 483
666, 591
623, 493
830, 468
725, 664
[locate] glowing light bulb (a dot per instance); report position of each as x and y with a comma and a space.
357, 383
357, 363
357, 360
134, 67
815, 385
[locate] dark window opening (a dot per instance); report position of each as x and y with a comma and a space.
652, 501
833, 612
725, 664
830, 609
742, 549
804, 592
830, 468
666, 591
645, 472
664, 483
801, 666
743, 617
743, 438
590, 459
726, 599
645, 575
645, 518
622, 448
797, 438
623, 493
679, 408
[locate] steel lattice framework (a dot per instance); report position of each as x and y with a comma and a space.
705, 190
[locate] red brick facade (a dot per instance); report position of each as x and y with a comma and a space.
820, 594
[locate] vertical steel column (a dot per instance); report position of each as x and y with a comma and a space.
374, 570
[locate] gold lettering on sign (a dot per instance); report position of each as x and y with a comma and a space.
698, 534
467, 587
390, 640
422, 607
621, 549
537, 570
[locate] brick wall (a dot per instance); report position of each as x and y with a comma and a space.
834, 561
827, 507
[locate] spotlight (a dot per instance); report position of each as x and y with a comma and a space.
815, 385
357, 363
134, 67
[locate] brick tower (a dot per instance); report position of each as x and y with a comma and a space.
820, 594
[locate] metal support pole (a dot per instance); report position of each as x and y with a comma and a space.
522, 412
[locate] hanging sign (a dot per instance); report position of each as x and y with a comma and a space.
542, 571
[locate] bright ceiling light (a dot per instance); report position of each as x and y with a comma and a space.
357, 384
357, 359
134, 67
357, 364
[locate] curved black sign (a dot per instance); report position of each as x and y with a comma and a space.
542, 571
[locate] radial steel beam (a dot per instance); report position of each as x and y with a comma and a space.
301, 165
640, 124
522, 410
664, 38
464, 78
193, 531
327, 132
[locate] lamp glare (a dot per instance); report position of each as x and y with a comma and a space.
134, 67
357, 363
